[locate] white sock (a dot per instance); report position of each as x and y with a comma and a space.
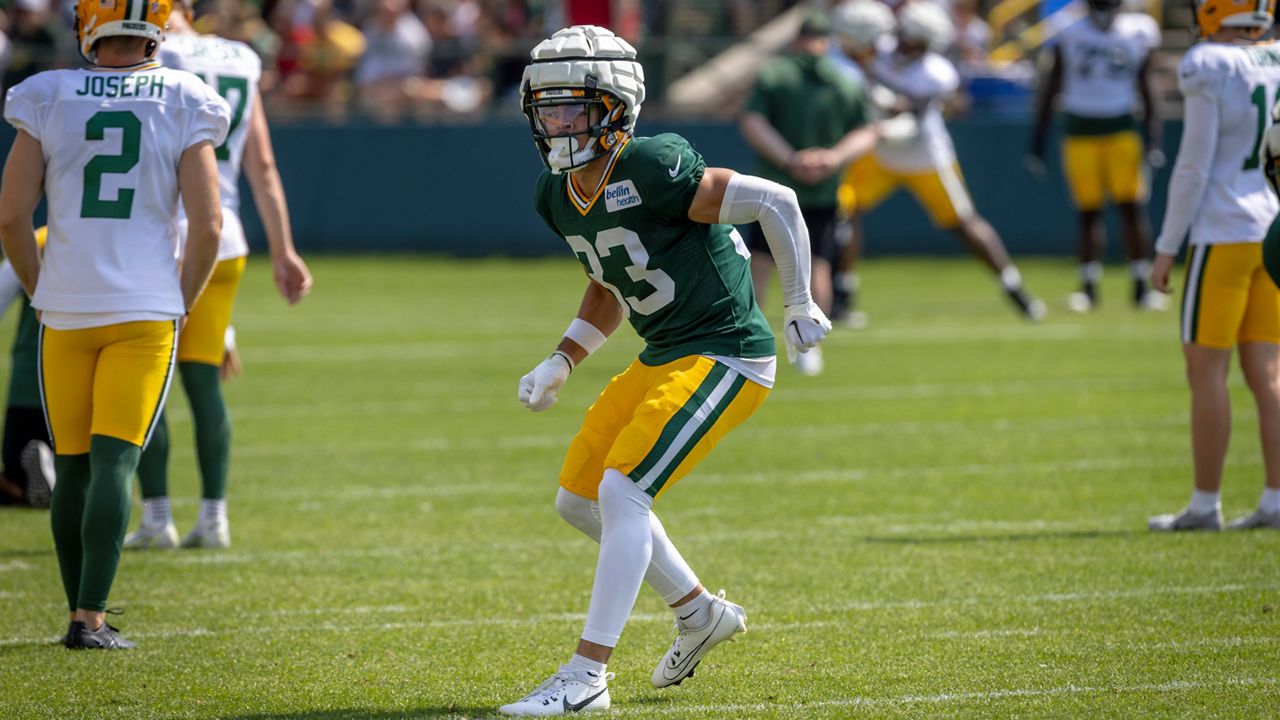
1205, 502
626, 546
155, 511
577, 662
1141, 269
1010, 278
696, 612
1091, 272
1270, 501
212, 510
668, 573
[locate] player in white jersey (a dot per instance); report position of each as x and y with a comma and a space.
233, 70
110, 148
1100, 73
1219, 195
915, 150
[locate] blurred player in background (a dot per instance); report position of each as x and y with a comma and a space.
806, 121
110, 148
232, 69
29, 475
1101, 68
1218, 193
653, 228
915, 150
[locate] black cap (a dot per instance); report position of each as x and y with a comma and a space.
815, 25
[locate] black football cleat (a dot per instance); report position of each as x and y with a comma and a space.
80, 637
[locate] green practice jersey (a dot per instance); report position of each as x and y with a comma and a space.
685, 286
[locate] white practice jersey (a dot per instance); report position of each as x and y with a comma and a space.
927, 81
112, 141
1239, 83
1100, 67
233, 69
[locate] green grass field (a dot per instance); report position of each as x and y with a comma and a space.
950, 522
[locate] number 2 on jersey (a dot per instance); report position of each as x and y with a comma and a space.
1259, 98
225, 84
91, 203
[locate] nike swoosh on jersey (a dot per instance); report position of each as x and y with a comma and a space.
676, 170
578, 706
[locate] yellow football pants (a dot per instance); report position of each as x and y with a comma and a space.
941, 192
656, 423
203, 337
1228, 297
110, 380
1102, 166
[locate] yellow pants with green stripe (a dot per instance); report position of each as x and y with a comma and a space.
656, 423
110, 380
1102, 166
1228, 298
203, 339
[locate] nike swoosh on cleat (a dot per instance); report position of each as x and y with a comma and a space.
694, 653
578, 706
676, 170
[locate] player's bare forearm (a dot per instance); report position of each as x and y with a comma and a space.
20, 193
1044, 107
1150, 112
264, 181
198, 182
855, 144
600, 308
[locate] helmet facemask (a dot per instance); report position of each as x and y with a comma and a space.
1103, 12
573, 126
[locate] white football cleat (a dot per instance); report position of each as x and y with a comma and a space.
691, 645
1153, 301
809, 363
567, 691
209, 534
1257, 519
1079, 302
37, 462
161, 537
1186, 520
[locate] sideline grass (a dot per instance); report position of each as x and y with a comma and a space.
950, 522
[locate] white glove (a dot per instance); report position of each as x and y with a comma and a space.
804, 326
539, 388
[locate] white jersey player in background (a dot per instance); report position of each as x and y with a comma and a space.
110, 148
233, 70
1100, 74
1219, 195
915, 149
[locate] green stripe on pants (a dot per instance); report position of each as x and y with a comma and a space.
679, 420
714, 416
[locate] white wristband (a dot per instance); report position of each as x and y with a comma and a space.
229, 339
587, 336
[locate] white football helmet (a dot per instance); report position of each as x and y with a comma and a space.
861, 23
582, 81
927, 23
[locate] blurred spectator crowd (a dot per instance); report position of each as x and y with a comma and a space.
394, 59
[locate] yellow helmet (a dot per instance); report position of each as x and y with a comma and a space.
1214, 15
96, 19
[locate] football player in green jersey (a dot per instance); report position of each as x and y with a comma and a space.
653, 228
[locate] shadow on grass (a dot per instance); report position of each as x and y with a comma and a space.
1008, 537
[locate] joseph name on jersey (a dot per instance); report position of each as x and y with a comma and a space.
112, 141
1243, 82
234, 70
928, 81
685, 286
1100, 67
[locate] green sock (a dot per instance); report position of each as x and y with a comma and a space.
66, 515
106, 517
153, 468
212, 426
